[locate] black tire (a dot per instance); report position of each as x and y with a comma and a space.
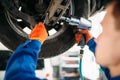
54, 45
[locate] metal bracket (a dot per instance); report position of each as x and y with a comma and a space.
55, 10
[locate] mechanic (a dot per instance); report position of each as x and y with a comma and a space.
22, 63
107, 50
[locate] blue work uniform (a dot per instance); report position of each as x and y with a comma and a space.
92, 46
22, 63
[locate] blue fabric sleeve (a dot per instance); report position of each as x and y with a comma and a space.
115, 78
22, 63
92, 45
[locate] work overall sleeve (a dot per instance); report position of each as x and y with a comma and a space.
92, 45
22, 64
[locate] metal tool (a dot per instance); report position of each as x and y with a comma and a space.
81, 23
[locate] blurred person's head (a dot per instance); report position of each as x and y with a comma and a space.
108, 42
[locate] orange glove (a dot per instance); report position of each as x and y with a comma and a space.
78, 37
39, 33
79, 34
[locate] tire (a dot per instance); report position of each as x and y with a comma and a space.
56, 44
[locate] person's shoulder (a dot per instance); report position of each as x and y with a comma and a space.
115, 78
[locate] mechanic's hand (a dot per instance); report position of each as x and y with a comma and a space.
80, 33
39, 33
78, 36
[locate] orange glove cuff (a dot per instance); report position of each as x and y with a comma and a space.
39, 33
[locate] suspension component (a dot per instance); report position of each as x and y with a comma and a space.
55, 10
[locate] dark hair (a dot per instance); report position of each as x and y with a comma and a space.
116, 13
